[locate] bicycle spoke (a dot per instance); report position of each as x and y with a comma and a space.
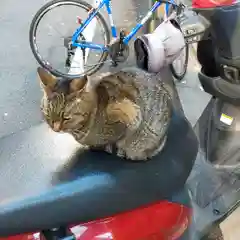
57, 19
91, 65
61, 35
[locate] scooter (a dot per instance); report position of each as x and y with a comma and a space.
52, 190
214, 182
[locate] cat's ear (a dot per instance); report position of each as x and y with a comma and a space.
78, 84
47, 79
94, 81
85, 82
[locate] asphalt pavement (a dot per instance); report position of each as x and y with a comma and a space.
20, 93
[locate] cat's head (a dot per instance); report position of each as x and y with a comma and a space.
67, 104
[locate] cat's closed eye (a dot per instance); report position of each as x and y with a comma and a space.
66, 118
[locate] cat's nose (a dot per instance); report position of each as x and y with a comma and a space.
57, 126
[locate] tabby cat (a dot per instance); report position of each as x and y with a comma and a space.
128, 111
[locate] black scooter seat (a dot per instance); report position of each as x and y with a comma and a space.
46, 183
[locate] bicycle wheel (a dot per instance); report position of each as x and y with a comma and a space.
65, 60
184, 56
179, 70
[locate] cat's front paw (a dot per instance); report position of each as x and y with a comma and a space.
136, 119
126, 112
132, 111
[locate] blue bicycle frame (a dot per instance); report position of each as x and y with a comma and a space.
127, 38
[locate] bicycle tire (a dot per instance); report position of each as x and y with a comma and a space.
33, 28
180, 76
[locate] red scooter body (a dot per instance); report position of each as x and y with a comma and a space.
211, 3
164, 220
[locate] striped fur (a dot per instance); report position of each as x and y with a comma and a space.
130, 109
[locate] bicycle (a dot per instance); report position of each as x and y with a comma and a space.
117, 49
